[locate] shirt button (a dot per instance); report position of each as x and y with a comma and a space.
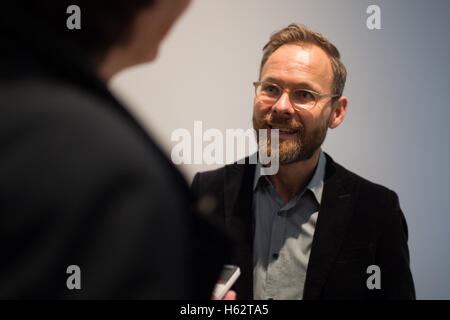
275, 256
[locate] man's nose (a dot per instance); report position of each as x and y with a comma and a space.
283, 105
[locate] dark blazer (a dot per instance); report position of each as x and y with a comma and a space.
360, 224
81, 183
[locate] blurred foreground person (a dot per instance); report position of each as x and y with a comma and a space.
89, 206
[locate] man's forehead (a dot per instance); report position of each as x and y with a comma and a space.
299, 62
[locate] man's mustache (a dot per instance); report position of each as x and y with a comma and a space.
290, 123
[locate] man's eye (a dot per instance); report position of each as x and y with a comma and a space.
270, 89
302, 95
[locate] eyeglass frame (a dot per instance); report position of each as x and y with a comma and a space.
316, 95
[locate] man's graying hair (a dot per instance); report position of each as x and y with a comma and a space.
297, 34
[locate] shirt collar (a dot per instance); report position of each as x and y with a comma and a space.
315, 184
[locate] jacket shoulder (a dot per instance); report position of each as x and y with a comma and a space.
211, 181
215, 181
367, 188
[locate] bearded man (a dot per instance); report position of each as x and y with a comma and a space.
312, 230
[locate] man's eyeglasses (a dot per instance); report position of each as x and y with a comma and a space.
301, 99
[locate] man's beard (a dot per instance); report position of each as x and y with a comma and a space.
290, 151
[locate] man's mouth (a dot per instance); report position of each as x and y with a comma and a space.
283, 130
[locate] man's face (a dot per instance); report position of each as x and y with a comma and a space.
304, 66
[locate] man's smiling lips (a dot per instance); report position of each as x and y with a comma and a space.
283, 131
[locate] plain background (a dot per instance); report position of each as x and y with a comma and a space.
396, 130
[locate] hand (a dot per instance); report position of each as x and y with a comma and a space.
230, 295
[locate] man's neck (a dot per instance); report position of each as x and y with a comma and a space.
292, 178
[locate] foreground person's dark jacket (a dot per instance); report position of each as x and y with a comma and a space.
82, 184
359, 224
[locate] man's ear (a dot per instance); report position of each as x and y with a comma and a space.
338, 112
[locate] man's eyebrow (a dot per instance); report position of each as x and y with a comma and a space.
300, 84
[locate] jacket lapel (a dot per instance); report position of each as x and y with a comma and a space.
334, 215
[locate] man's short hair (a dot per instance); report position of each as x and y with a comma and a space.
297, 34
